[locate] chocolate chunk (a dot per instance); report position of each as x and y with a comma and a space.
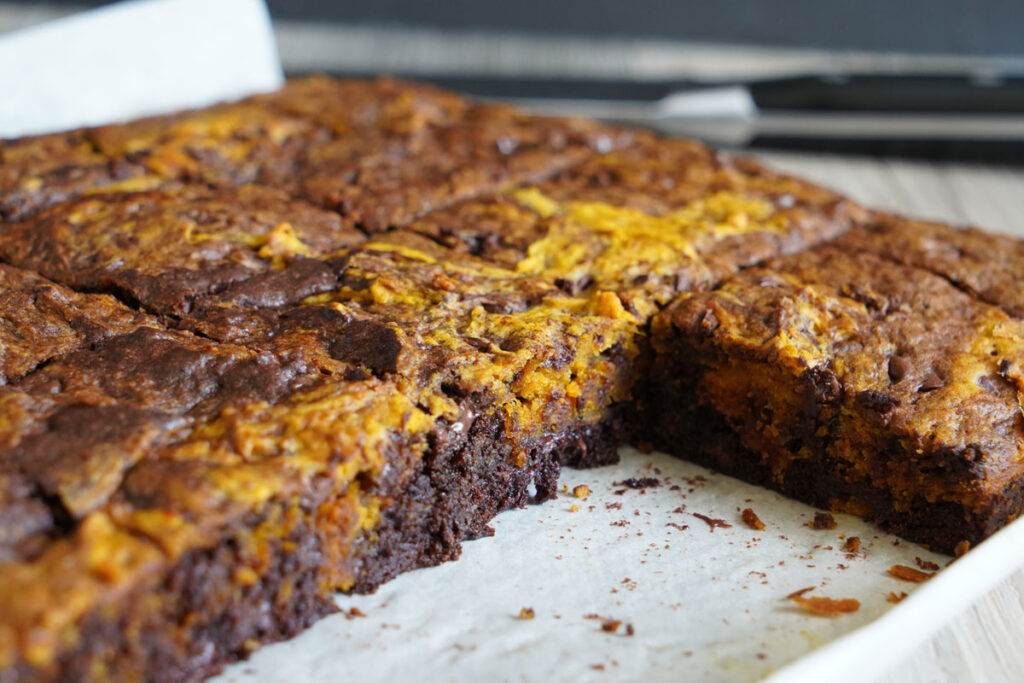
897, 368
827, 388
931, 382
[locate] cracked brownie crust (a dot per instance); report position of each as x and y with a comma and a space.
259, 353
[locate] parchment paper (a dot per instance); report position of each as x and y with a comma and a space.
134, 59
703, 603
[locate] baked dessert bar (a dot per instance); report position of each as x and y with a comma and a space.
259, 353
854, 382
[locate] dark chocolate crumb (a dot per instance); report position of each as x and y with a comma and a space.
712, 522
638, 482
823, 521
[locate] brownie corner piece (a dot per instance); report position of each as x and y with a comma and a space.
852, 382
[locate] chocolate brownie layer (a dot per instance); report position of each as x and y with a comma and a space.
897, 394
165, 248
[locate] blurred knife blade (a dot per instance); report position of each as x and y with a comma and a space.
817, 108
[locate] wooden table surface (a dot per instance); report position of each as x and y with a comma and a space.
985, 642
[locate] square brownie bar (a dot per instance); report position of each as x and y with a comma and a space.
853, 382
162, 249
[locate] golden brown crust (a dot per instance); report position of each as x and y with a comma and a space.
164, 248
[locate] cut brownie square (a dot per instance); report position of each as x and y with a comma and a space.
989, 266
659, 217
225, 145
852, 382
235, 531
41, 171
40, 320
456, 331
164, 248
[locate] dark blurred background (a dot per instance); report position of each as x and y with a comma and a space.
935, 57
982, 27
976, 27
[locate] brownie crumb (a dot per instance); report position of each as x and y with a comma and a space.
823, 521
751, 519
961, 548
645, 447
798, 593
712, 522
852, 545
895, 597
638, 482
527, 613
597, 667
610, 625
630, 631
926, 565
826, 607
906, 573
353, 613
581, 491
